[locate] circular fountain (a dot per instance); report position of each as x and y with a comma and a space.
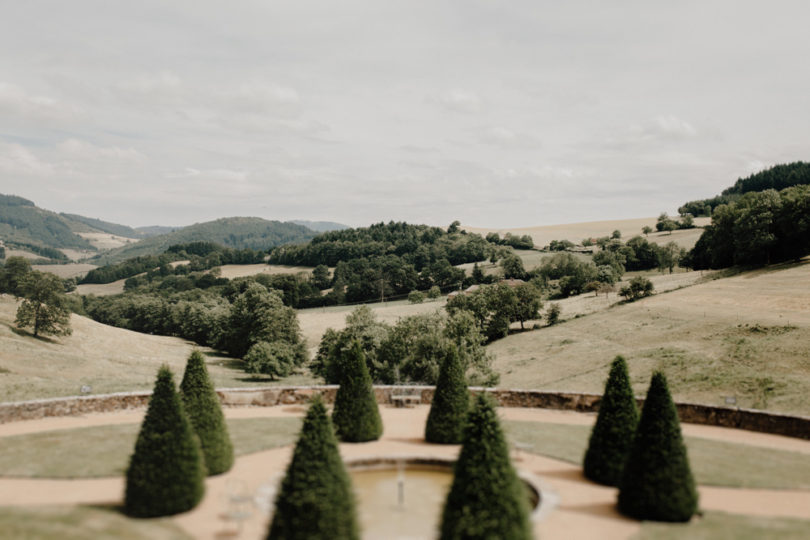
403, 497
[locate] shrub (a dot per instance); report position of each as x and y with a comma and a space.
202, 406
451, 401
434, 292
416, 297
615, 426
356, 415
315, 499
486, 499
639, 287
553, 314
657, 482
276, 359
166, 472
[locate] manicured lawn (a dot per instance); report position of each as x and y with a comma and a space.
719, 525
82, 522
101, 451
713, 462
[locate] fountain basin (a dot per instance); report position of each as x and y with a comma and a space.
402, 497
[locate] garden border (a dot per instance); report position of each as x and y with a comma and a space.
694, 413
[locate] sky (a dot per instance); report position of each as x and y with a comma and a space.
498, 114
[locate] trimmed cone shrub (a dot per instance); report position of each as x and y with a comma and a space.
356, 415
203, 409
486, 499
612, 435
451, 401
166, 472
657, 482
315, 500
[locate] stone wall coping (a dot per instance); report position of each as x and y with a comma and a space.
263, 396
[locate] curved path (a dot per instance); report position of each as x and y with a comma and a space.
583, 507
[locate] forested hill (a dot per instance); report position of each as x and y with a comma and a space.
418, 245
233, 232
777, 177
105, 226
23, 223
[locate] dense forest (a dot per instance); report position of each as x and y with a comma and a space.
388, 259
778, 178
761, 227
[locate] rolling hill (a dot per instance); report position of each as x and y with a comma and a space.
233, 232
22, 222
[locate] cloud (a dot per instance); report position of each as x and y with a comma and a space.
457, 101
16, 159
665, 127
83, 151
17, 102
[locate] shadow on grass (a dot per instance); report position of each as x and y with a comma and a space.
25, 333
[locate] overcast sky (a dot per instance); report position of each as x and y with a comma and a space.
495, 113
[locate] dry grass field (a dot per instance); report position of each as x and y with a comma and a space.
107, 359
105, 241
744, 336
315, 321
575, 232
232, 271
66, 270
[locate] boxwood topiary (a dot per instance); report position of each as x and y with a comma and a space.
356, 415
315, 500
615, 426
166, 472
486, 498
451, 402
657, 482
205, 412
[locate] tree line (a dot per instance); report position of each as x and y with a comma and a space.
201, 256
777, 177
759, 228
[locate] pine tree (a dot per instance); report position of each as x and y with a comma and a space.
356, 415
657, 482
615, 426
486, 499
315, 500
166, 472
451, 401
203, 408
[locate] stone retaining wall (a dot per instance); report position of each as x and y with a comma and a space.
752, 420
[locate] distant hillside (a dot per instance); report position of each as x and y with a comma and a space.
321, 226
154, 230
777, 177
21, 221
104, 226
234, 232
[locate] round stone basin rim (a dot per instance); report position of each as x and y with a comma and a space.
542, 499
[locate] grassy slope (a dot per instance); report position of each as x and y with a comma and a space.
744, 336
106, 358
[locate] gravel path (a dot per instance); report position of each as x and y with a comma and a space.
582, 508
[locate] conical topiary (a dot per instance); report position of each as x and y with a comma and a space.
451, 401
486, 499
166, 472
356, 415
202, 406
315, 500
615, 426
657, 482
